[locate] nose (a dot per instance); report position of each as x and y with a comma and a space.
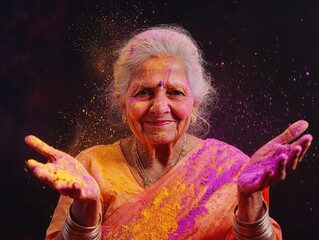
160, 105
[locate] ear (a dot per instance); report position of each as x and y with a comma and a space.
195, 107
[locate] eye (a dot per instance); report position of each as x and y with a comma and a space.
175, 92
145, 93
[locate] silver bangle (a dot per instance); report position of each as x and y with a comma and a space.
262, 229
73, 231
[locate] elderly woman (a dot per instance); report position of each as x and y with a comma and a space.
162, 182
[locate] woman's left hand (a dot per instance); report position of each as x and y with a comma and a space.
274, 160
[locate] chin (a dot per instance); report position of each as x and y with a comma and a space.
160, 138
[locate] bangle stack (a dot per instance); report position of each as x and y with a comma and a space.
73, 231
259, 230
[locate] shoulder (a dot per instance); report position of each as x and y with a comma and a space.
224, 150
220, 145
98, 149
99, 152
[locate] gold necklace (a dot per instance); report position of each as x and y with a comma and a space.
141, 169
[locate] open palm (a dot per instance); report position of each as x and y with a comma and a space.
275, 159
62, 172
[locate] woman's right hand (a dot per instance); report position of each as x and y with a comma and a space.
62, 172
69, 177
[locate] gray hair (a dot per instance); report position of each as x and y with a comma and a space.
171, 41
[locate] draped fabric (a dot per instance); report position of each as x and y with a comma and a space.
194, 200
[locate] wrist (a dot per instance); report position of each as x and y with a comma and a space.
86, 213
73, 230
260, 229
250, 206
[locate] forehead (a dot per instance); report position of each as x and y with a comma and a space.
162, 65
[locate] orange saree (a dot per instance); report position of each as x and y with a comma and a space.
194, 200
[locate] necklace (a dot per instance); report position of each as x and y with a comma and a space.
139, 164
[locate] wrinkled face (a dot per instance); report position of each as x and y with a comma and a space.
159, 102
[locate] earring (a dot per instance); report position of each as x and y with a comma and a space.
193, 119
124, 119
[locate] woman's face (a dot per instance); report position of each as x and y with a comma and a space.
159, 102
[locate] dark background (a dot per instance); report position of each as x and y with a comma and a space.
56, 59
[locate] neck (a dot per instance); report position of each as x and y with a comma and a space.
156, 163
160, 156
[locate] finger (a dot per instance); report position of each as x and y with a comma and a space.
292, 132
65, 191
265, 180
35, 165
304, 142
281, 149
279, 171
32, 164
43, 172
72, 190
41, 147
77, 191
293, 156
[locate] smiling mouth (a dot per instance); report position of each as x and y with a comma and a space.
159, 122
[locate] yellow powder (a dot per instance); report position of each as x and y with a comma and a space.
66, 177
158, 220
